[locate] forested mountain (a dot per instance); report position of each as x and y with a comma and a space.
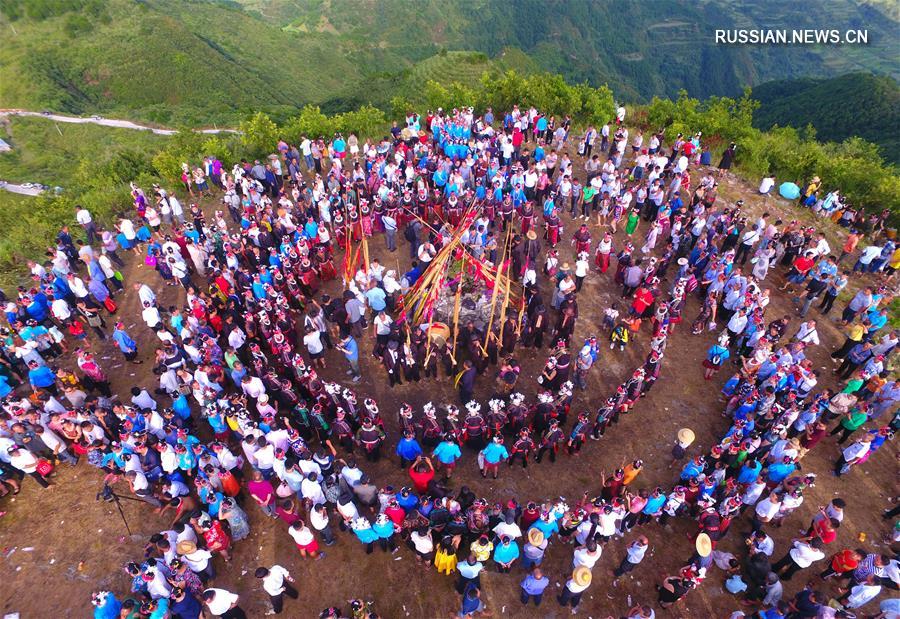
211, 60
640, 48
856, 104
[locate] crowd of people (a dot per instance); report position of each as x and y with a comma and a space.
241, 424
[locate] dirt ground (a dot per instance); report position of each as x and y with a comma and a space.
59, 545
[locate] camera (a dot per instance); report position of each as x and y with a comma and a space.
105, 493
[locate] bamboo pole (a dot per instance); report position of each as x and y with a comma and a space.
496, 290
505, 305
456, 320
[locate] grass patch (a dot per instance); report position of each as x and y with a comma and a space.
48, 152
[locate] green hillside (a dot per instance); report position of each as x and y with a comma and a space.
170, 62
204, 61
640, 48
856, 104
51, 153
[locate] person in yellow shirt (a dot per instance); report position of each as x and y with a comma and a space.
482, 548
893, 264
632, 470
855, 333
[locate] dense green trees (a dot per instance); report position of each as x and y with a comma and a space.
854, 166
856, 104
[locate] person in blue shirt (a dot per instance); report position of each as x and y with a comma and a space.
547, 525
533, 587
184, 604
311, 228
505, 554
125, 343
749, 471
693, 468
37, 309
181, 406
413, 275
447, 453
780, 471
106, 606
493, 455
407, 500
42, 377
715, 357
439, 178
350, 348
408, 449
5, 388
498, 191
116, 456
654, 506
384, 529
339, 146
376, 298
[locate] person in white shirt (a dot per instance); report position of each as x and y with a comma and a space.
199, 560
61, 310
306, 542
52, 440
83, 217
253, 386
318, 518
142, 399
141, 487
800, 556
145, 294
509, 528
587, 555
223, 603
151, 316
276, 582
765, 186
634, 554
807, 333
852, 454
26, 462
351, 473
575, 587
158, 587
861, 594
311, 490
77, 286
766, 510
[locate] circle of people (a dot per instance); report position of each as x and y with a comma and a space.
231, 366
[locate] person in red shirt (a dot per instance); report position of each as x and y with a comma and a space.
799, 271
517, 138
825, 529
421, 472
217, 540
843, 562
396, 513
643, 299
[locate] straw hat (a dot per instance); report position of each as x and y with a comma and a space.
535, 536
686, 436
582, 576
531, 234
186, 547
704, 545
